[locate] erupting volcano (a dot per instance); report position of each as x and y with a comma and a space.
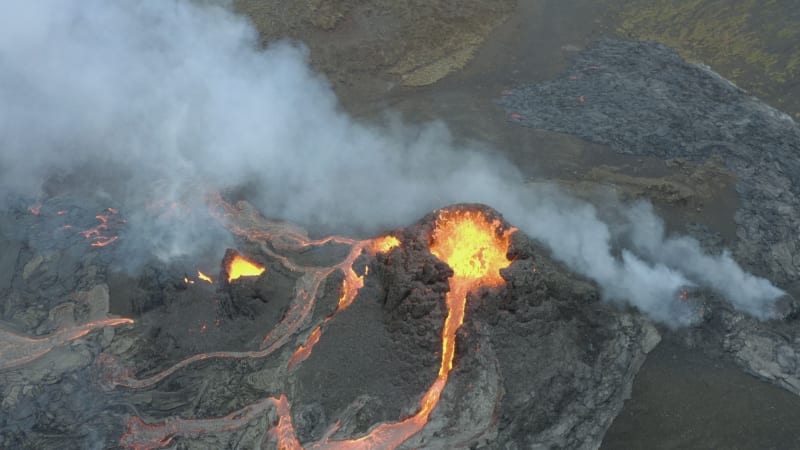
464, 238
339, 342
472, 247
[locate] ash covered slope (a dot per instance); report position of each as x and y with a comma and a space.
642, 98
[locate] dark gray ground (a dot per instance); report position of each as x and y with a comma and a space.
643, 99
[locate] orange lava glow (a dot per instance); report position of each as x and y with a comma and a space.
474, 246
243, 267
470, 245
304, 351
384, 244
98, 234
205, 277
475, 249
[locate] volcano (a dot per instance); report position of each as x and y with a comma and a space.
213, 238
455, 331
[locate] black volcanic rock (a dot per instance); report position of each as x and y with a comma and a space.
642, 98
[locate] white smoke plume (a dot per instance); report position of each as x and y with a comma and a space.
169, 97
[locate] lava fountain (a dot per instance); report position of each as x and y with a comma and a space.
472, 247
475, 248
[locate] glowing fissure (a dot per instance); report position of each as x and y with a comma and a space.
204, 277
304, 351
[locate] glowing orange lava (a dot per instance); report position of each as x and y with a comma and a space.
205, 277
304, 351
243, 267
476, 250
384, 244
98, 234
474, 246
470, 245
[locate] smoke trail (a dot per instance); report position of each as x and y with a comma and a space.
169, 98
746, 292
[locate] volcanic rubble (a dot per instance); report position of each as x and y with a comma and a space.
642, 98
332, 339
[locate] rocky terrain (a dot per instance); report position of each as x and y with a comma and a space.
540, 361
105, 344
644, 99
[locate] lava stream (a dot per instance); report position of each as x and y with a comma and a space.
304, 351
243, 220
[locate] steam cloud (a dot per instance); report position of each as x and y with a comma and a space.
172, 97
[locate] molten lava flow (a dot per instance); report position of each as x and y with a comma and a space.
204, 277
384, 244
476, 251
304, 350
471, 246
242, 267
284, 241
98, 234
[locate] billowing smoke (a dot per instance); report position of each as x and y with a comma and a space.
170, 99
